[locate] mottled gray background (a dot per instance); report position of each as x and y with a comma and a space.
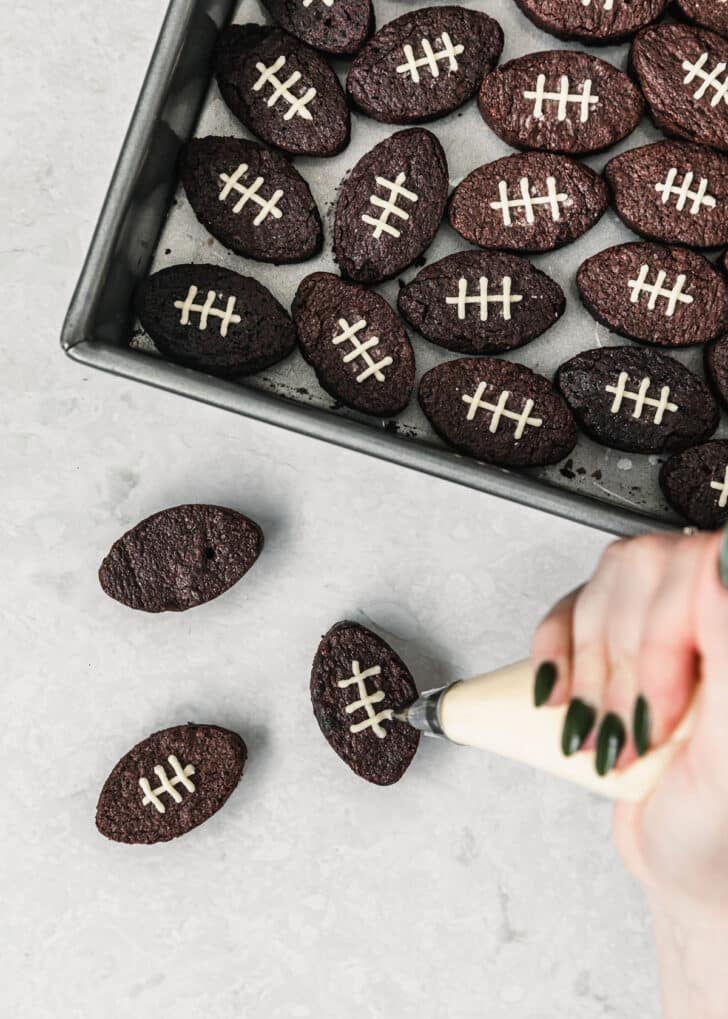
473, 889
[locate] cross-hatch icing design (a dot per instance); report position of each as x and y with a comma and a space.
500, 410
431, 59
232, 184
207, 311
683, 192
722, 487
389, 206
708, 79
485, 298
563, 98
641, 398
366, 701
657, 290
297, 105
181, 776
361, 350
528, 202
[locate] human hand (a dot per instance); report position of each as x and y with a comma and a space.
629, 651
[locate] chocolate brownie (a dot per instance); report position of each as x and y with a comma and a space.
338, 27
282, 90
481, 302
356, 344
532, 201
593, 21
637, 400
424, 64
560, 101
716, 366
170, 783
180, 557
358, 686
672, 191
214, 320
669, 297
251, 199
683, 73
711, 14
695, 484
498, 412
390, 206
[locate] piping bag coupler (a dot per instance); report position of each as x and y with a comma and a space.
496, 712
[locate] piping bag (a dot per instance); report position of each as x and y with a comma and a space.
496, 712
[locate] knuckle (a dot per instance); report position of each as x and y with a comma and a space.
612, 554
550, 631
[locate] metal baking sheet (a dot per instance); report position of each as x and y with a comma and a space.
595, 485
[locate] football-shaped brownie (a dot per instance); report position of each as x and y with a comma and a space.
214, 320
390, 206
332, 26
560, 101
669, 297
593, 21
638, 400
498, 412
672, 191
251, 199
708, 13
356, 344
683, 73
170, 783
282, 90
180, 558
716, 366
695, 484
358, 686
533, 201
481, 302
424, 64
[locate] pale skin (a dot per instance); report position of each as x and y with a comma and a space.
653, 621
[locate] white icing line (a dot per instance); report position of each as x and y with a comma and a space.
366, 701
207, 310
608, 4
527, 201
389, 206
361, 350
181, 776
297, 105
656, 290
484, 298
431, 59
499, 410
563, 97
707, 80
232, 184
329, 3
641, 399
722, 487
682, 193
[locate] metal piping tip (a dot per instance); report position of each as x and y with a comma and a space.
424, 713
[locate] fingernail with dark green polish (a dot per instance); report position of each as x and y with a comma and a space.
610, 742
641, 724
578, 723
546, 676
723, 560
